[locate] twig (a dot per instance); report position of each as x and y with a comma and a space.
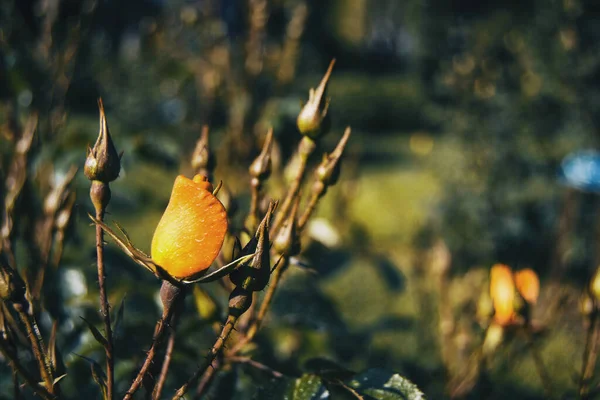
207, 378
37, 346
289, 53
310, 208
104, 306
166, 362
264, 307
31, 381
305, 149
159, 331
590, 354
255, 364
16, 388
213, 353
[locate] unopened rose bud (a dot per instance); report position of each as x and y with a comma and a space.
528, 285
586, 304
254, 276
313, 120
328, 171
202, 160
261, 166
287, 241
103, 163
502, 292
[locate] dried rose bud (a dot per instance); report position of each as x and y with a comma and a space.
261, 166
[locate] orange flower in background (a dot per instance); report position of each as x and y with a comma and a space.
502, 292
190, 233
528, 285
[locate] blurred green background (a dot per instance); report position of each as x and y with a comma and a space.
461, 114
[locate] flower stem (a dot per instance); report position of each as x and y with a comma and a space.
590, 354
305, 149
214, 352
31, 381
100, 190
264, 307
37, 346
167, 360
169, 308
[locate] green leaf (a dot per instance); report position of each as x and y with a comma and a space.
307, 387
373, 384
119, 317
97, 374
97, 335
384, 385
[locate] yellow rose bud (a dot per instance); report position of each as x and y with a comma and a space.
528, 285
190, 233
502, 292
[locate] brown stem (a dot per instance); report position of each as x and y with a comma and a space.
255, 364
305, 148
37, 346
590, 354
214, 352
254, 199
166, 362
104, 306
31, 381
206, 379
264, 307
159, 331
310, 208
16, 389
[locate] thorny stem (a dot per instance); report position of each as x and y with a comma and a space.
590, 354
37, 346
104, 306
264, 306
214, 352
159, 331
31, 381
207, 378
166, 362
